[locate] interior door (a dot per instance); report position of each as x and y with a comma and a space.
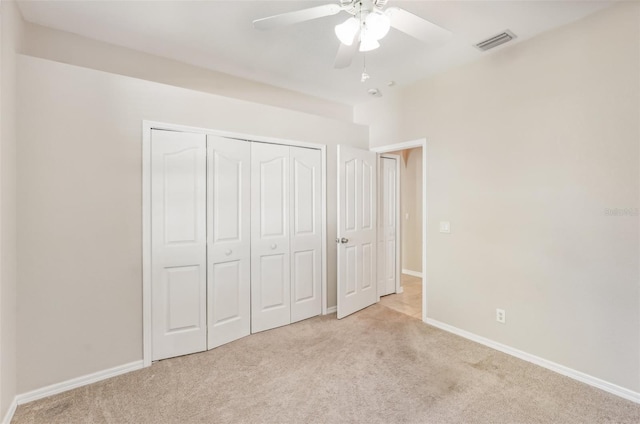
387, 223
306, 233
178, 250
270, 255
356, 230
229, 240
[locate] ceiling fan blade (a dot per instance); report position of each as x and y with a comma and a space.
347, 53
416, 26
298, 16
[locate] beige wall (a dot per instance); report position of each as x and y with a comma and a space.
411, 204
11, 40
526, 150
79, 179
65, 47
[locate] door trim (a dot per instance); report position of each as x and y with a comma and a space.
421, 142
147, 126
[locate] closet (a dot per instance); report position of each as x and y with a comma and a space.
236, 240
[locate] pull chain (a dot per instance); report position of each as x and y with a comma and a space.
365, 76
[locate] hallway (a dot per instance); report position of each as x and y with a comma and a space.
409, 302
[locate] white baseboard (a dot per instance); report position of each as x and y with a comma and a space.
412, 273
560, 369
54, 389
12, 410
331, 310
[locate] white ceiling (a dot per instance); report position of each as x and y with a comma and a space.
218, 35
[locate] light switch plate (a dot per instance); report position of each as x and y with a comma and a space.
445, 227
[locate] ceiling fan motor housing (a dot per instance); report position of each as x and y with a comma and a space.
355, 7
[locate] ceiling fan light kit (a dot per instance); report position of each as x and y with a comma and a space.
372, 23
346, 31
377, 24
367, 44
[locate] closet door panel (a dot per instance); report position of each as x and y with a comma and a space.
270, 261
229, 240
306, 233
178, 250
273, 282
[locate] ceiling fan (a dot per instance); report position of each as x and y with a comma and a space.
370, 21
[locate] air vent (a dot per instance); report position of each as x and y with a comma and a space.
495, 41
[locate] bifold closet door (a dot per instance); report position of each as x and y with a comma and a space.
229, 240
306, 233
178, 250
270, 253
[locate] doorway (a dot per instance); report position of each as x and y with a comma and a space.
410, 296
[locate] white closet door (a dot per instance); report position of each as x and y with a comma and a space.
357, 181
306, 233
270, 262
229, 240
387, 227
178, 232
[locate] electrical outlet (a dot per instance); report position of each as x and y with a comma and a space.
501, 316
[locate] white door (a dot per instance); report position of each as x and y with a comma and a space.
228, 239
356, 230
387, 222
306, 233
270, 253
178, 250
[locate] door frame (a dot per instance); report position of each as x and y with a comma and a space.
147, 126
398, 211
421, 142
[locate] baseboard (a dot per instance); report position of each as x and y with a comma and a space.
54, 389
331, 310
560, 369
412, 273
12, 410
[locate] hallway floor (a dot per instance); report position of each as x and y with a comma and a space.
409, 302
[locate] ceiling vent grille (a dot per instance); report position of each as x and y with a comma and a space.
495, 41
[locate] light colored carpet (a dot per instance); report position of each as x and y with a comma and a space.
377, 366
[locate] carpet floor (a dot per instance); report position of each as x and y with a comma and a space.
376, 366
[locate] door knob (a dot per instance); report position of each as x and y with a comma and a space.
273, 246
228, 252
344, 240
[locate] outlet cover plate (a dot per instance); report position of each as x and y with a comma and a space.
445, 227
